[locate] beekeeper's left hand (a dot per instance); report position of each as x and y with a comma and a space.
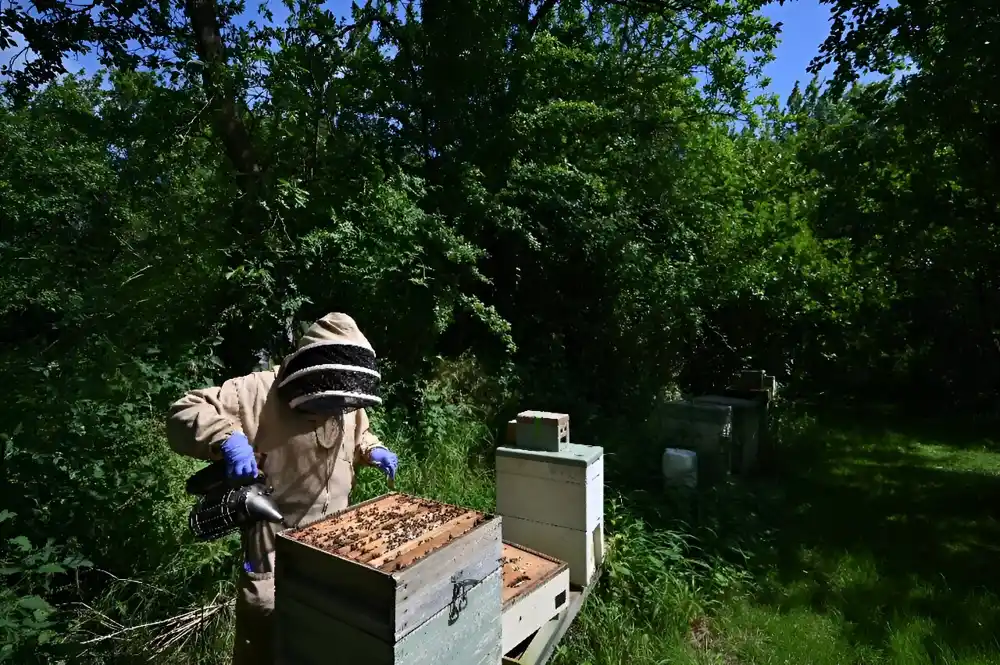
385, 460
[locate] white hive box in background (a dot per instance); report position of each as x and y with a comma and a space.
541, 430
680, 469
535, 589
398, 580
553, 502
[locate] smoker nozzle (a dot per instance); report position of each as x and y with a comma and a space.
260, 506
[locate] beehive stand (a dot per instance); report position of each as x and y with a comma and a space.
397, 580
535, 589
553, 503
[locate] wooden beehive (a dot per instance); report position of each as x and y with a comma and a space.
745, 430
535, 589
397, 580
705, 428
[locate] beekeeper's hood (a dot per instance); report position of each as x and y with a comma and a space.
332, 370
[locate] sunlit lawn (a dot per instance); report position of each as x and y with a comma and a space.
885, 549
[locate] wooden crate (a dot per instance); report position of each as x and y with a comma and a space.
756, 379
553, 503
397, 580
535, 589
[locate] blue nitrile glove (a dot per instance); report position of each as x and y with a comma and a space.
238, 454
385, 460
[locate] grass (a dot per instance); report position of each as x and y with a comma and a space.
884, 547
872, 543
869, 544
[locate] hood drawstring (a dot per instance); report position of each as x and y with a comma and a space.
331, 453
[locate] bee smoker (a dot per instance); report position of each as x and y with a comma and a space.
225, 506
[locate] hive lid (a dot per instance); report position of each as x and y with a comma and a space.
573, 454
687, 410
548, 416
726, 401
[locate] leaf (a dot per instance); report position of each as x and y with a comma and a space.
77, 562
36, 603
39, 620
22, 543
51, 569
6, 515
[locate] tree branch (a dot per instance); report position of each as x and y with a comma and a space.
203, 16
543, 10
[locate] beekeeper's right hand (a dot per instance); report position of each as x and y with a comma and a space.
238, 454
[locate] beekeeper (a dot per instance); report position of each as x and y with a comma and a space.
307, 423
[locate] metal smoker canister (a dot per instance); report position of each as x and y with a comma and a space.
222, 512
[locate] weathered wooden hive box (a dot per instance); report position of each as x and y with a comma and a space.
705, 428
757, 379
397, 580
535, 589
745, 430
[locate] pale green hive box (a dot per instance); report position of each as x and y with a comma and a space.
553, 503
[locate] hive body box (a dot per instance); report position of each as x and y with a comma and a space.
553, 502
762, 398
757, 379
703, 428
745, 431
392, 581
535, 589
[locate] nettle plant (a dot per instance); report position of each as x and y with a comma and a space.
30, 625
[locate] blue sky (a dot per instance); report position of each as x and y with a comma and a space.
806, 24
